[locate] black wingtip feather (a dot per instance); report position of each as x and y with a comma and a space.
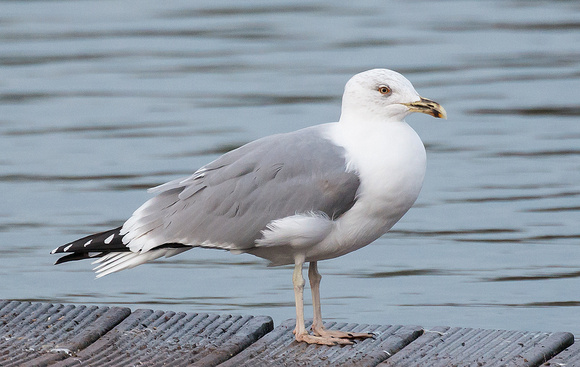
97, 244
77, 256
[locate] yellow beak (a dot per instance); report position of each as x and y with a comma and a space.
427, 106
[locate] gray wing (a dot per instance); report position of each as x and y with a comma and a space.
227, 203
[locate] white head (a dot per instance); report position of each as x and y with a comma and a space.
384, 95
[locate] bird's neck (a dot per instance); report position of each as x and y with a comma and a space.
382, 153
357, 132
365, 119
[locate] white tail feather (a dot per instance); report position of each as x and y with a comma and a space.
117, 261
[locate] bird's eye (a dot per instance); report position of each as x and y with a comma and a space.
383, 89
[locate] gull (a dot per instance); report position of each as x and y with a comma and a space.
304, 196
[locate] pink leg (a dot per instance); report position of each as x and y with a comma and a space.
300, 332
339, 337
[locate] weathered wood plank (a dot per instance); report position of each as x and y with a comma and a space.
38, 334
570, 357
44, 334
278, 347
158, 338
445, 346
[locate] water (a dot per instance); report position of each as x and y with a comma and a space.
102, 99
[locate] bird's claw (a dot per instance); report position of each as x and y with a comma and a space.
322, 340
330, 337
322, 332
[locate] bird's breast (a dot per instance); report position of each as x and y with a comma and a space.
390, 162
391, 170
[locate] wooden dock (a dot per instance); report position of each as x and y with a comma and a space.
44, 334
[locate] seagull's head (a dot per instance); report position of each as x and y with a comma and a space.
382, 94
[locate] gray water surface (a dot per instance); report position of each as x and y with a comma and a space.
100, 100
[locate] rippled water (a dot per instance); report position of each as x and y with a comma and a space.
101, 99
